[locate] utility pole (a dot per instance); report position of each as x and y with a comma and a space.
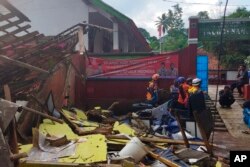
160, 44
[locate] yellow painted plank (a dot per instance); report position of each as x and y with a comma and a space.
80, 114
93, 150
57, 129
25, 148
124, 129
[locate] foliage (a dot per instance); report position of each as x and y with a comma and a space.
203, 15
162, 21
247, 61
172, 21
241, 12
153, 41
145, 33
232, 61
233, 52
174, 42
173, 26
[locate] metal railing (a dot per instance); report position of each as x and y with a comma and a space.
222, 78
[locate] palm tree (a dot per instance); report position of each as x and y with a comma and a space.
162, 22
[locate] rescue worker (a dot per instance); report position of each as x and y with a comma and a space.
226, 97
181, 102
183, 92
152, 94
155, 80
174, 90
242, 79
189, 81
196, 101
195, 86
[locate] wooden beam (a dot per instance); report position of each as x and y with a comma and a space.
81, 41
177, 116
42, 114
24, 65
162, 140
34, 38
14, 10
205, 136
163, 160
14, 23
44, 163
4, 37
6, 17
18, 156
12, 127
4, 152
21, 39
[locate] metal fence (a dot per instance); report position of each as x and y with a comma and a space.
221, 77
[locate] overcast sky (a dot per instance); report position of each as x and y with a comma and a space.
145, 12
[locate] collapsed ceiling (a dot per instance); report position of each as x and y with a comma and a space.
26, 57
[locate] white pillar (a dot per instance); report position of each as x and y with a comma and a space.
81, 41
115, 37
86, 41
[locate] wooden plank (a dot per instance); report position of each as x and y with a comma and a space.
161, 140
163, 160
8, 112
219, 124
12, 127
11, 24
44, 163
218, 120
177, 116
6, 17
4, 37
221, 129
22, 39
24, 65
4, 152
7, 93
204, 120
37, 37
42, 114
14, 10
15, 157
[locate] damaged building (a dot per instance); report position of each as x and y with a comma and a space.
55, 112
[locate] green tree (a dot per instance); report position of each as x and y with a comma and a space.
236, 51
203, 15
176, 36
240, 12
145, 33
162, 22
153, 41
233, 52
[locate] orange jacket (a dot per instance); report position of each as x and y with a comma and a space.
183, 94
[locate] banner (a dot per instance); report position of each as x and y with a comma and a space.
165, 65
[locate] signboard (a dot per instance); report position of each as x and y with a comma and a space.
165, 65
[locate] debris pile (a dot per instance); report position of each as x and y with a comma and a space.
148, 137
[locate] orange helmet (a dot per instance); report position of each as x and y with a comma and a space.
155, 76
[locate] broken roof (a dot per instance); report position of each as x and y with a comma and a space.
22, 51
